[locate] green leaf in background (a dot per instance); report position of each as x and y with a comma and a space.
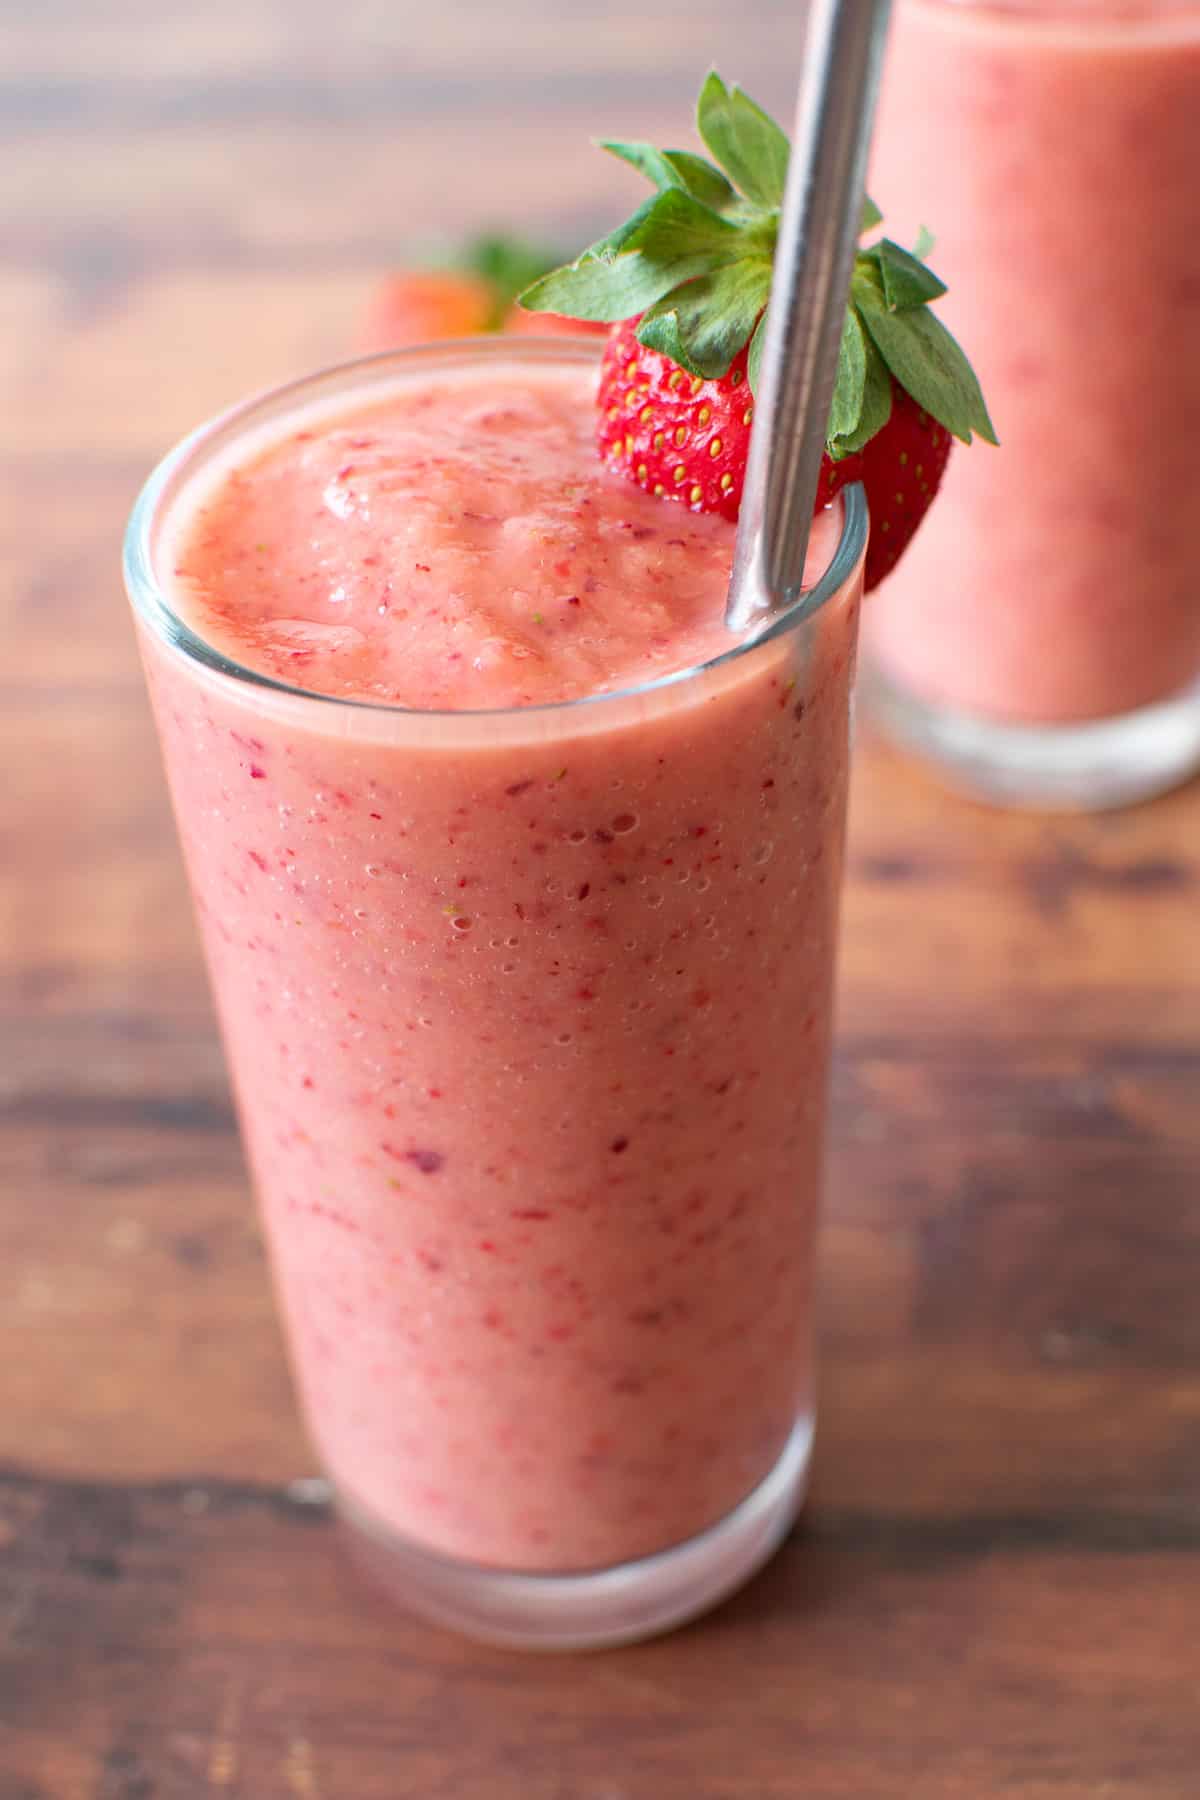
507, 263
745, 140
870, 218
704, 325
925, 243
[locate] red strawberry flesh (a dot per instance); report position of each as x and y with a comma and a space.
675, 434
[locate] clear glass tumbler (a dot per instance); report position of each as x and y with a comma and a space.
1041, 639
528, 1019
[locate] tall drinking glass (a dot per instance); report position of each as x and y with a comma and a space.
528, 1016
1041, 639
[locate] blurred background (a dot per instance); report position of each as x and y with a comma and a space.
998, 1590
178, 168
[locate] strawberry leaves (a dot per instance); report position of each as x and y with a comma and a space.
925, 359
744, 140
850, 381
676, 168
696, 258
758, 344
870, 217
671, 240
890, 290
874, 405
862, 391
703, 325
906, 280
693, 266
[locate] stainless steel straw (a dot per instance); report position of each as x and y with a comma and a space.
818, 233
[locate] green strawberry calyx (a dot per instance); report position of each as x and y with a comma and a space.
695, 261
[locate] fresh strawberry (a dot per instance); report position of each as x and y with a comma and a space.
901, 468
473, 293
416, 306
672, 432
677, 434
687, 282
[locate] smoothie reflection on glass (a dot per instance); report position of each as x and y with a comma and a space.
1042, 639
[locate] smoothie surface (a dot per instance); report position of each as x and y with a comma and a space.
454, 544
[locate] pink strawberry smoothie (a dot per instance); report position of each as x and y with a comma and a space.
527, 1010
1053, 147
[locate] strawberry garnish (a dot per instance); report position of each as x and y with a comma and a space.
687, 283
901, 468
674, 432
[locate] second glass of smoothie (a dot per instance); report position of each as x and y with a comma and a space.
518, 882
1041, 640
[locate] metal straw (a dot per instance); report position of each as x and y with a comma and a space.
818, 234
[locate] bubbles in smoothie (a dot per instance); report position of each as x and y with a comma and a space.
304, 637
624, 823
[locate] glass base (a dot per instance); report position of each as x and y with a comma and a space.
602, 1607
1086, 767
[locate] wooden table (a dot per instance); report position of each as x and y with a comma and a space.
997, 1589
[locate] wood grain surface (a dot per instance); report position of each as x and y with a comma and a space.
997, 1588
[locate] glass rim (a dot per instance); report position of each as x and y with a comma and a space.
152, 608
